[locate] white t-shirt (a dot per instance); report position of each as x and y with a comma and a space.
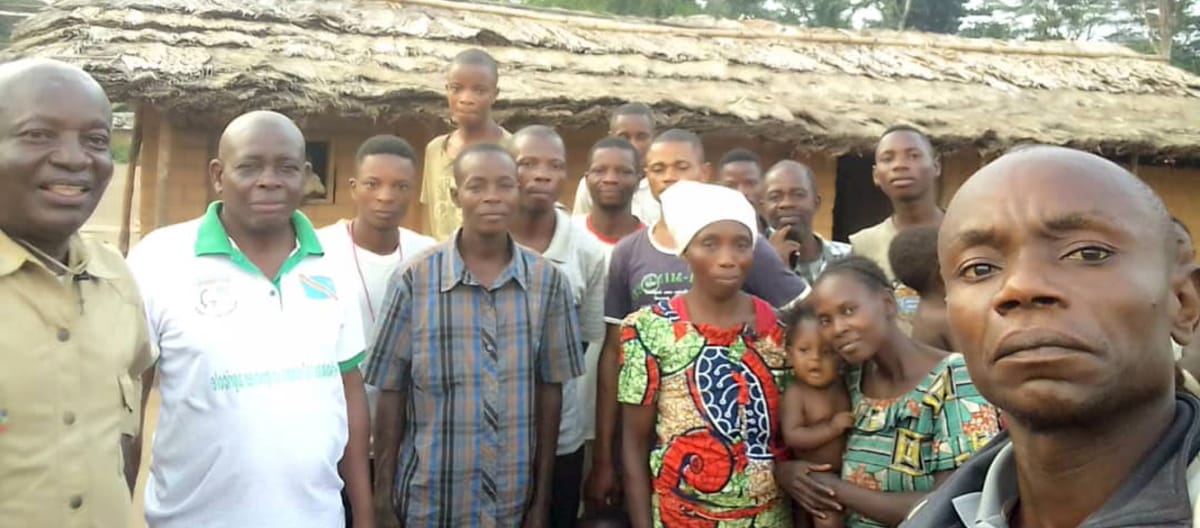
644, 206
369, 273
253, 420
585, 263
367, 268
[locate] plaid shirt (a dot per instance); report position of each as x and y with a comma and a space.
467, 358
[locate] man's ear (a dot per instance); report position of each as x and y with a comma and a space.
1186, 290
454, 197
215, 169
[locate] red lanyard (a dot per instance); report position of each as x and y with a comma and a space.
361, 279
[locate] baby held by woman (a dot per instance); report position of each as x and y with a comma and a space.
816, 406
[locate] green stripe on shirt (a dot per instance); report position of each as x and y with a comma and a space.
352, 363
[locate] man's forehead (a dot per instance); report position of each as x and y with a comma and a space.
672, 151
902, 140
631, 121
265, 144
39, 88
1046, 194
743, 166
488, 162
787, 176
529, 145
618, 154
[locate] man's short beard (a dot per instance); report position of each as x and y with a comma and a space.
1054, 416
616, 209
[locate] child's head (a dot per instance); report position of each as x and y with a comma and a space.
914, 259
675, 155
471, 87
814, 364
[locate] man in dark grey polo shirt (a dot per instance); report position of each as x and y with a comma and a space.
1064, 288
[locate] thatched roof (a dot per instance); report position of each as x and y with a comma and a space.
814, 87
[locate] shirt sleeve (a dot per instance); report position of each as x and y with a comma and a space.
147, 345
560, 355
964, 421
618, 301
591, 313
142, 271
583, 199
428, 173
771, 280
637, 381
351, 350
389, 355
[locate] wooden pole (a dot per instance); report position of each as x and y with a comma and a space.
135, 150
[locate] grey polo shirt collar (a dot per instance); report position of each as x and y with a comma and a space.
1155, 494
991, 506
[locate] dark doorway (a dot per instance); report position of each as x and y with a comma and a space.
858, 203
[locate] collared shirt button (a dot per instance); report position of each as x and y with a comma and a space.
64, 334
69, 418
76, 502
272, 293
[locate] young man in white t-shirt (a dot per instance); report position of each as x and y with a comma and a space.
264, 415
369, 248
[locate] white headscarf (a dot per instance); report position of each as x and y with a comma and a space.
690, 206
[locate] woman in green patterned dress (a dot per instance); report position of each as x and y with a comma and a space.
918, 414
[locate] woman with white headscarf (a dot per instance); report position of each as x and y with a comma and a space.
702, 374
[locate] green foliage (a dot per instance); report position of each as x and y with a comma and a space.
120, 149
14, 12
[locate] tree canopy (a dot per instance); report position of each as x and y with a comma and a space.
1168, 28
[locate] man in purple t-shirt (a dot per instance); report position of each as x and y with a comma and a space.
644, 269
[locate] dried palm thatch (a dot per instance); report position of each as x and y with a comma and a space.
816, 88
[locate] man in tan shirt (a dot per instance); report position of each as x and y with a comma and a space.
74, 339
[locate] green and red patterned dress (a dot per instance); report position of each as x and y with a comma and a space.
898, 445
716, 392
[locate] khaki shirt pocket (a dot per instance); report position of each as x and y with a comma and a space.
131, 403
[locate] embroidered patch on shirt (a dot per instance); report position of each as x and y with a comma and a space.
318, 287
216, 299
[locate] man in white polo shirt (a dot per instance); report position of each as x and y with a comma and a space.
263, 409
543, 228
